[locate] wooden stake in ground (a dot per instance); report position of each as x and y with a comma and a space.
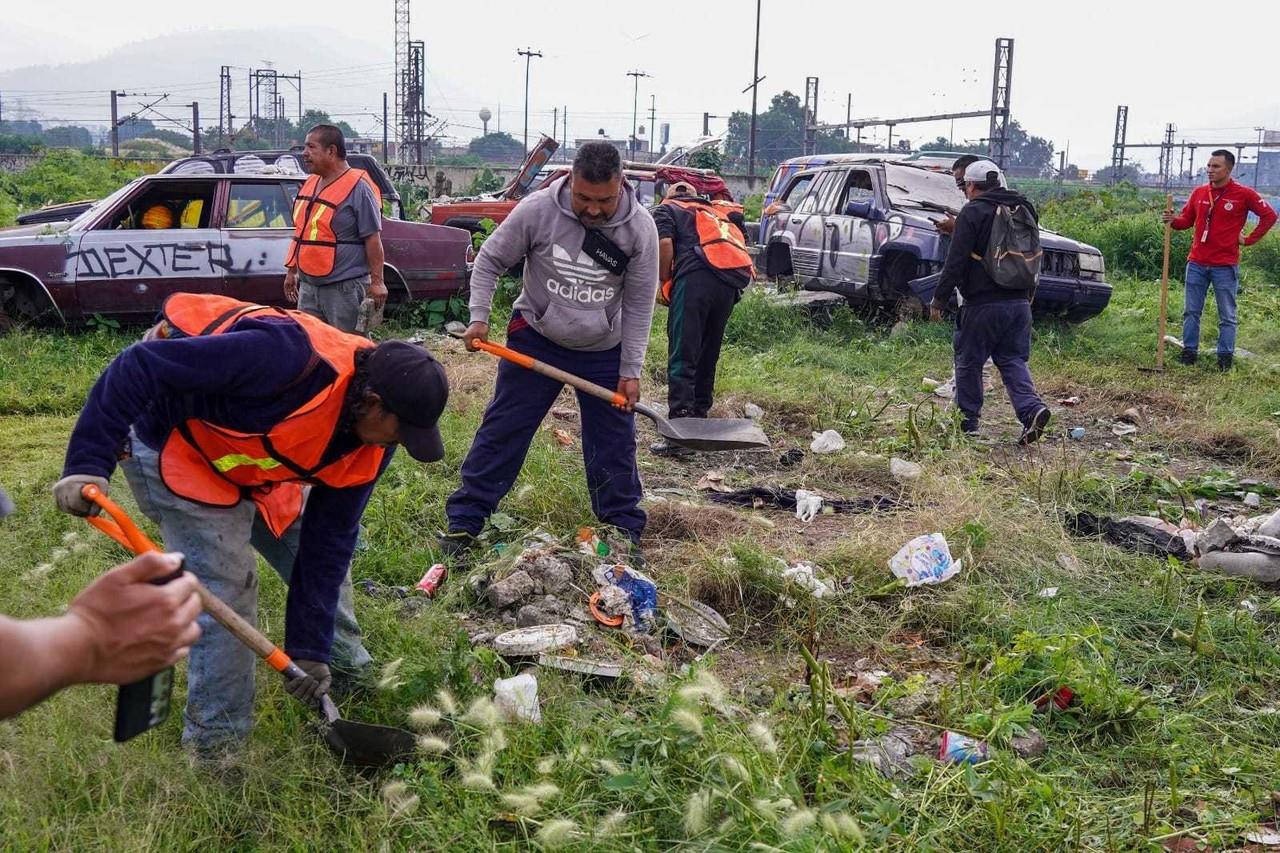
1164, 284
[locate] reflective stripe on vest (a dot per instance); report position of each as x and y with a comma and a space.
235, 460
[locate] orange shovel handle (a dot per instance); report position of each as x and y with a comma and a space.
551, 372
121, 528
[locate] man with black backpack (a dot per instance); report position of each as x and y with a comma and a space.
994, 262
704, 266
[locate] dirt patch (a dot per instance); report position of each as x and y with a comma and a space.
688, 521
1226, 446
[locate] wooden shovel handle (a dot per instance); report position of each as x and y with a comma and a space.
551, 372
121, 528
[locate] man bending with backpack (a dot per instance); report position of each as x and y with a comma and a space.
994, 262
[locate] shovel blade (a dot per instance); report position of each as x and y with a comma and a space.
368, 745
712, 433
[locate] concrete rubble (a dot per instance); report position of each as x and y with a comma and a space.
1242, 547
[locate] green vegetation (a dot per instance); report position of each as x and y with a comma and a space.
1164, 742
61, 176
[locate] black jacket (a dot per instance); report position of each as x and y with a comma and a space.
678, 225
971, 235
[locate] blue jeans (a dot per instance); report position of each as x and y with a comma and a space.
521, 399
1226, 283
219, 545
1000, 331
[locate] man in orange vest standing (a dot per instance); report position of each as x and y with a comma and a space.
704, 267
335, 259
219, 419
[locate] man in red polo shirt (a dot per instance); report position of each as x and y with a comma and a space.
1219, 211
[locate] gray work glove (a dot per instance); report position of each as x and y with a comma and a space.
66, 492
315, 685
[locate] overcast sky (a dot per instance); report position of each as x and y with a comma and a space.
1189, 64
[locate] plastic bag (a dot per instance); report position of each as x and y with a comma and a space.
808, 505
827, 442
517, 698
924, 560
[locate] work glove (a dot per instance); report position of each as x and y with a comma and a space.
66, 492
315, 685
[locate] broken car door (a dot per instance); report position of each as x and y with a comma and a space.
155, 242
847, 233
257, 227
804, 226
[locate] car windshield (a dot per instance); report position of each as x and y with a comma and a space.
102, 205
912, 187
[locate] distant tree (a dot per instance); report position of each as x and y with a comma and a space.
707, 158
68, 136
21, 128
173, 137
942, 143
132, 128
779, 133
14, 143
312, 117
1128, 173
497, 148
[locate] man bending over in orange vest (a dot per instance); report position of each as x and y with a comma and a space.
335, 258
219, 419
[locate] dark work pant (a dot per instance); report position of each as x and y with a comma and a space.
1000, 331
699, 312
521, 399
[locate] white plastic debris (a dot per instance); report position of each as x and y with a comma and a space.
1048, 592
1120, 428
1253, 499
904, 471
753, 411
531, 641
1267, 836
517, 698
805, 575
808, 505
924, 560
829, 441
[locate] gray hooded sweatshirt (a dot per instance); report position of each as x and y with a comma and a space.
568, 296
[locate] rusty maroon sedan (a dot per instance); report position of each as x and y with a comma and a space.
163, 234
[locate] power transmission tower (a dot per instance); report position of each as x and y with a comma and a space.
528, 53
225, 117
264, 105
1001, 85
415, 112
1117, 145
402, 65
810, 114
296, 81
1166, 156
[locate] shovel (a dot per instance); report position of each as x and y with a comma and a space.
361, 744
694, 433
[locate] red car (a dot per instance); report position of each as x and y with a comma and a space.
209, 233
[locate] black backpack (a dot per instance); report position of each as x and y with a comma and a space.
1013, 255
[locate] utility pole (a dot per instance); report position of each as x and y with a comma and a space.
810, 114
635, 107
386, 150
115, 125
848, 116
755, 84
528, 53
1257, 163
195, 127
653, 127
564, 145
555, 122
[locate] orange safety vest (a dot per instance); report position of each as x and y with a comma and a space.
721, 243
219, 467
314, 248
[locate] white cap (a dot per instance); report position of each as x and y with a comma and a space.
977, 172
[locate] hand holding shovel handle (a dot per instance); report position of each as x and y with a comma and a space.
530, 363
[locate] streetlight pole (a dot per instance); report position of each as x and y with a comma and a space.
755, 85
635, 107
528, 53
1257, 163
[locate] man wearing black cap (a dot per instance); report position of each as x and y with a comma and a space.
229, 419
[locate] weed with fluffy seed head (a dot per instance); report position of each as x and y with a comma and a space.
763, 737
546, 766
424, 717
612, 823
477, 780
734, 767
798, 822
448, 705
695, 813
390, 679
842, 825
558, 832
609, 767
399, 800
525, 805
482, 713
687, 720
433, 745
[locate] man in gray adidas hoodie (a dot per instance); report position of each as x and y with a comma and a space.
590, 253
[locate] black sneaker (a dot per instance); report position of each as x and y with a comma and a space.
1224, 361
455, 544
1035, 427
1187, 357
667, 448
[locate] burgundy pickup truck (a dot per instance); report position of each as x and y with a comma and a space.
226, 233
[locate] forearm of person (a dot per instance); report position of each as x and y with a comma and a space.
375, 256
1266, 219
1186, 218
640, 287
39, 657
953, 269
666, 251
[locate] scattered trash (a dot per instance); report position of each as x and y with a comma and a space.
864, 686
695, 623
888, 753
612, 604
641, 593
1130, 415
904, 471
562, 437
924, 560
512, 589
1270, 526
1216, 537
1069, 563
1048, 592
1130, 535
1077, 433
1059, 699
456, 328
1031, 744
1253, 499
1267, 836
376, 590
758, 497
582, 666
808, 505
431, 581
1069, 401
961, 749
713, 481
1249, 564
805, 575
590, 543
526, 642
1121, 428
753, 411
929, 384
791, 458
829, 441
517, 698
